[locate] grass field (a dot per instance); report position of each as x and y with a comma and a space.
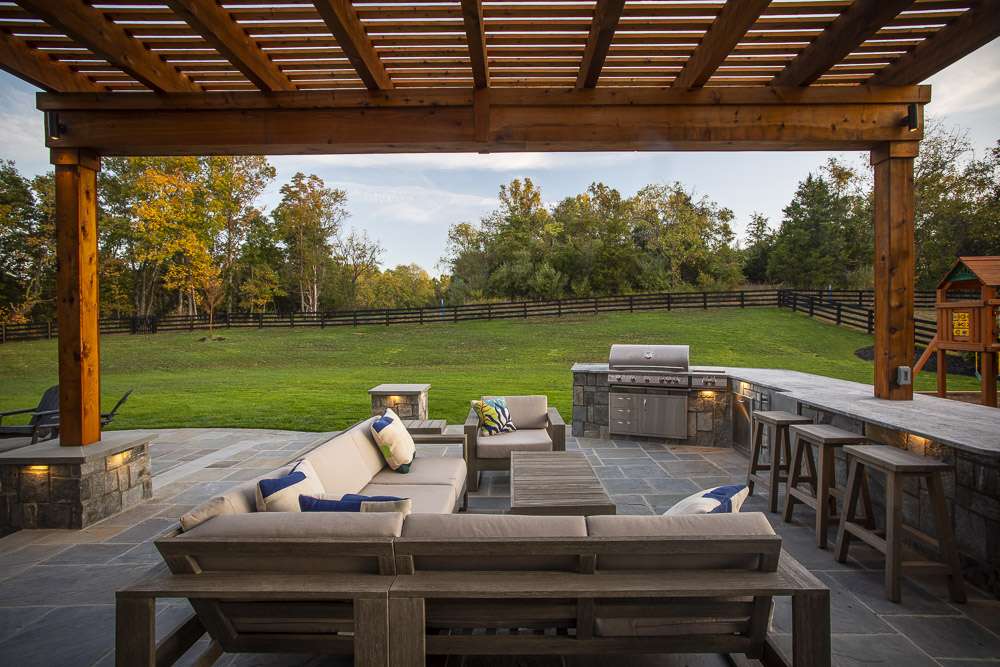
317, 379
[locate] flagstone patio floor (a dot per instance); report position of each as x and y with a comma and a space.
57, 587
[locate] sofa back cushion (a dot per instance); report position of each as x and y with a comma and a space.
251, 538
749, 524
475, 527
527, 411
240, 499
346, 463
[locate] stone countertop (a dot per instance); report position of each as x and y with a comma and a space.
396, 389
965, 426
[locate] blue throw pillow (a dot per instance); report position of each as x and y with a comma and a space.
281, 494
350, 502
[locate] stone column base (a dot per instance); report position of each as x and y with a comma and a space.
50, 486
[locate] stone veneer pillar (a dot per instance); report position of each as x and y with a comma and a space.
50, 486
409, 401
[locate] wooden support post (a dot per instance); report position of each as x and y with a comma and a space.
77, 295
894, 266
988, 374
135, 633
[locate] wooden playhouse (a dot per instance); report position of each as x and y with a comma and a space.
968, 307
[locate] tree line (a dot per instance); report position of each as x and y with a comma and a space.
188, 235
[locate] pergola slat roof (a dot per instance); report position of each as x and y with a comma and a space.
298, 45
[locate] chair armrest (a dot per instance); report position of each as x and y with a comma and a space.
15, 412
556, 428
471, 428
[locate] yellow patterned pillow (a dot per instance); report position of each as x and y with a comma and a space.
494, 416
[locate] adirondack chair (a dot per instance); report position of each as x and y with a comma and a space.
43, 416
44, 422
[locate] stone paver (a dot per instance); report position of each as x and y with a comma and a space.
55, 583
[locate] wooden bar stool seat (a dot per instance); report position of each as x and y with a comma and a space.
821, 477
781, 453
897, 464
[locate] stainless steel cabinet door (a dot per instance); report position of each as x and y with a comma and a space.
662, 415
622, 413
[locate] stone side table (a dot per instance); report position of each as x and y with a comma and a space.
409, 401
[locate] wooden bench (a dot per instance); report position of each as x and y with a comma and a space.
447, 612
898, 464
343, 614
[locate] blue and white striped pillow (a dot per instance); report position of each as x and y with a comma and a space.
717, 500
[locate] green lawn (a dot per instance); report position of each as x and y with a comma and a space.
317, 379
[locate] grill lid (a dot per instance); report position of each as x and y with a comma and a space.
663, 358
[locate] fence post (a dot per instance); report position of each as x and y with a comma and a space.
631, 301
668, 300
421, 315
595, 306
386, 317
260, 320
743, 299
322, 320
861, 298
489, 311
3, 333
524, 309
838, 313
559, 307
795, 302
48, 329
871, 321
812, 305
704, 300
291, 318
355, 314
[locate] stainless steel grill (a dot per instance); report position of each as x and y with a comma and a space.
649, 387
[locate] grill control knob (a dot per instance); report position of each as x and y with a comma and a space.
646, 380
632, 379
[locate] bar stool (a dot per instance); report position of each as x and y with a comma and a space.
897, 464
822, 477
780, 420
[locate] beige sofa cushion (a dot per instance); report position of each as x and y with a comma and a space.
348, 461
479, 526
429, 498
527, 411
449, 470
473, 526
238, 500
749, 524
522, 440
310, 526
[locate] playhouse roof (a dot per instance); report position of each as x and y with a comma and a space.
984, 269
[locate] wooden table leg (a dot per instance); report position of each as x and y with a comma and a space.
371, 632
794, 476
824, 481
755, 446
946, 539
855, 480
893, 536
408, 645
135, 632
811, 629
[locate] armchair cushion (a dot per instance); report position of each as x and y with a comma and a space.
526, 440
528, 411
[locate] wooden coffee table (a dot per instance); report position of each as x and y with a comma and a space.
556, 483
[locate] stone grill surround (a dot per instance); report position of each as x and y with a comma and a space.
709, 412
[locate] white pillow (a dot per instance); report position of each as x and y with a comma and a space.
281, 494
717, 500
394, 441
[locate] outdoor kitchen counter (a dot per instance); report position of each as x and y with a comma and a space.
964, 426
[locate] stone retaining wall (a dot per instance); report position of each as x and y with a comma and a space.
73, 495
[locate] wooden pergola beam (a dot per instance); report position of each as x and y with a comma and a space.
475, 35
89, 27
346, 27
607, 13
519, 120
729, 27
975, 28
211, 21
856, 24
40, 70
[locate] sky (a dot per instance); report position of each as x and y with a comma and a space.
408, 202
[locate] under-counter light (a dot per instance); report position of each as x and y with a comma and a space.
706, 394
36, 469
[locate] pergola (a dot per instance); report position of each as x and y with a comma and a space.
169, 77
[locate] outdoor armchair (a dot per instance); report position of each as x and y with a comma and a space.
540, 428
44, 417
45, 423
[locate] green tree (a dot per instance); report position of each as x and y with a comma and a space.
308, 217
27, 244
760, 241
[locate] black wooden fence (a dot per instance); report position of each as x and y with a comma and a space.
851, 303
849, 314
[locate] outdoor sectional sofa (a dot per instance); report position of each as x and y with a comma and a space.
391, 590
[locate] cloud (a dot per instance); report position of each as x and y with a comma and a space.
494, 162
415, 204
972, 85
24, 140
